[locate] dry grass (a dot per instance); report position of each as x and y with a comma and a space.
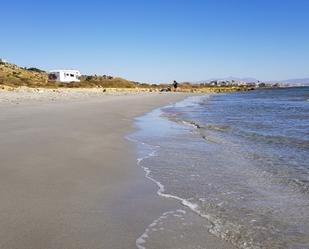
14, 76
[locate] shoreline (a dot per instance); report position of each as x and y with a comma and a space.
69, 178
63, 183
183, 226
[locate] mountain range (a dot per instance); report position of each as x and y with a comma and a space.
299, 81
303, 81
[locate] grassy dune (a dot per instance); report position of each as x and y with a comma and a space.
14, 76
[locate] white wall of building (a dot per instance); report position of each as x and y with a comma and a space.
65, 75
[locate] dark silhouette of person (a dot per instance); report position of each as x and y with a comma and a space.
175, 85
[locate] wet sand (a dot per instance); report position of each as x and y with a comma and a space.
68, 176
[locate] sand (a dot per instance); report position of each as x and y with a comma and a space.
68, 175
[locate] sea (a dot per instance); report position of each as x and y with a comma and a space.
238, 161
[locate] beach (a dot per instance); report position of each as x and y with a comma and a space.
69, 176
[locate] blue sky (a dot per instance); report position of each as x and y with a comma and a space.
160, 40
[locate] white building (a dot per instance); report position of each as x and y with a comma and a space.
64, 75
3, 60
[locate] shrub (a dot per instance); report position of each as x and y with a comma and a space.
89, 78
34, 69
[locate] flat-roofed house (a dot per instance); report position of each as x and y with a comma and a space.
64, 75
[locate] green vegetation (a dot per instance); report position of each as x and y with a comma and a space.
34, 69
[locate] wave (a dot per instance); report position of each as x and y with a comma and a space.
214, 127
300, 185
251, 135
225, 230
245, 226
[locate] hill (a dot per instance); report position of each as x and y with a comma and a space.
13, 75
294, 82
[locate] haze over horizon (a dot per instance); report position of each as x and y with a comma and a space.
159, 41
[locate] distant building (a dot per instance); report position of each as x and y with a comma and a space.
3, 60
241, 83
222, 83
252, 84
213, 83
63, 75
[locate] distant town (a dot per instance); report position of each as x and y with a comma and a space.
257, 84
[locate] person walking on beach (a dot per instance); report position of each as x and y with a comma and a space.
175, 85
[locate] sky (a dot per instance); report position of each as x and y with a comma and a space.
159, 40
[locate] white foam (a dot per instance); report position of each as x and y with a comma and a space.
190, 124
139, 243
193, 206
181, 211
161, 192
177, 215
142, 239
214, 229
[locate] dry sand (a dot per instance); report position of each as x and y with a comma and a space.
68, 176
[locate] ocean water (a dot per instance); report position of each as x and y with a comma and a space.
240, 161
